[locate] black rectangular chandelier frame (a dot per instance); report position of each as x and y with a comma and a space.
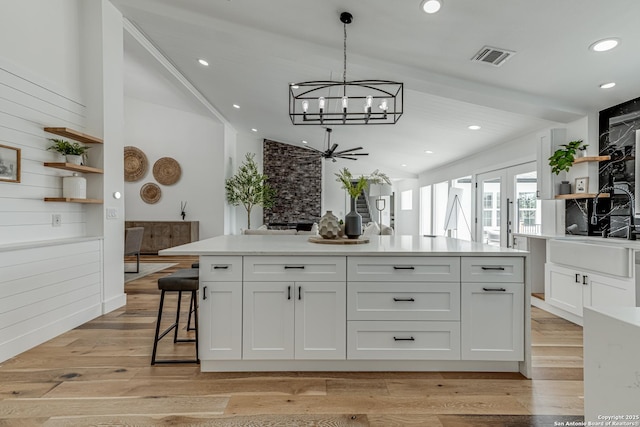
378, 90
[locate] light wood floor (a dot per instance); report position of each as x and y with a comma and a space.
99, 374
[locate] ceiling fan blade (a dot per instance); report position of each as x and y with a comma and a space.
357, 154
350, 149
348, 158
332, 149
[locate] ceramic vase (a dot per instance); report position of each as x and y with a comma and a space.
329, 226
353, 222
74, 159
565, 188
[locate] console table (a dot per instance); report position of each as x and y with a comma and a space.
160, 235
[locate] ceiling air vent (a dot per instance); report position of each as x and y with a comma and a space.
493, 55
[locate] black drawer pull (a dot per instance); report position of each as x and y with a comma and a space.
289, 267
288, 292
220, 267
204, 293
493, 268
494, 289
584, 280
404, 339
299, 292
577, 277
402, 267
403, 299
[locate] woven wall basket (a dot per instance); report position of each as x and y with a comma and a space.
166, 171
150, 193
135, 164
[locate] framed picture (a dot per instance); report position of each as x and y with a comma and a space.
9, 164
582, 185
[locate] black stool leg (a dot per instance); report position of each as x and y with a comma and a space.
192, 306
156, 339
194, 297
175, 335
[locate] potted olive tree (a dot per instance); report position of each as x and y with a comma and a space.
73, 152
249, 188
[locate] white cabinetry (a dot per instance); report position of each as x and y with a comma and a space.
403, 308
492, 308
220, 325
572, 289
302, 318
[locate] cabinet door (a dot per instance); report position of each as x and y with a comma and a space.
492, 321
268, 326
180, 233
320, 320
609, 291
220, 326
564, 288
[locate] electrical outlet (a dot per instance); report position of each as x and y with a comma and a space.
56, 220
112, 213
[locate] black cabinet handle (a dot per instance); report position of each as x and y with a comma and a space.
220, 267
299, 292
204, 293
299, 267
288, 292
584, 280
404, 339
577, 277
493, 268
402, 267
403, 299
494, 289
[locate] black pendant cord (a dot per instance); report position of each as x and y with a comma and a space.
344, 70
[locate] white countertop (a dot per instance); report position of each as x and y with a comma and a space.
630, 315
378, 246
594, 240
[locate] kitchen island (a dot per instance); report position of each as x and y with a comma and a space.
398, 303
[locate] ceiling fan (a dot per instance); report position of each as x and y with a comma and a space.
331, 153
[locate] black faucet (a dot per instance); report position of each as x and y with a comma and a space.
631, 232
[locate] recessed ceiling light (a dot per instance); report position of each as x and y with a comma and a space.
403, 165
236, 106
474, 127
607, 85
254, 130
428, 152
604, 45
304, 142
203, 62
430, 6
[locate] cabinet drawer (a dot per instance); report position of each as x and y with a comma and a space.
403, 269
403, 340
493, 269
294, 268
403, 301
221, 268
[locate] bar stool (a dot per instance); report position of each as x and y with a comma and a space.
184, 280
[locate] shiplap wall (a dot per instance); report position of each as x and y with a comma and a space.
45, 291
26, 107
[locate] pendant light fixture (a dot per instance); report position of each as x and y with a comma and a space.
357, 102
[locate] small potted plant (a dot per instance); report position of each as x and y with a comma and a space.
563, 158
73, 152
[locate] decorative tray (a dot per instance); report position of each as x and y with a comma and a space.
339, 241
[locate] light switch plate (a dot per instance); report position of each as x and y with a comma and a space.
56, 220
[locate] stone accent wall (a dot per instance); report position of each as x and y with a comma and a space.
296, 174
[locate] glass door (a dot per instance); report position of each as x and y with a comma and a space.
491, 229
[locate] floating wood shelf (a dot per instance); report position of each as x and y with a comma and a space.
73, 167
71, 200
591, 159
582, 196
75, 135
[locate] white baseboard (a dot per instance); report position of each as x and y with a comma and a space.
543, 305
13, 347
114, 303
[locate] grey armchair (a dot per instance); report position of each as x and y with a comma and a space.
132, 244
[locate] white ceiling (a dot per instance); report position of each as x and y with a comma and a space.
256, 48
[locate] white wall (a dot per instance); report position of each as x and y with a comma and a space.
197, 144
407, 222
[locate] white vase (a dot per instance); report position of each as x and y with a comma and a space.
74, 187
74, 159
329, 226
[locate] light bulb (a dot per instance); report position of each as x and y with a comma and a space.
345, 103
383, 105
321, 103
305, 105
431, 6
369, 101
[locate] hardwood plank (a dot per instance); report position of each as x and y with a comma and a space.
458, 387
553, 405
505, 420
395, 420
30, 389
349, 387
253, 405
29, 408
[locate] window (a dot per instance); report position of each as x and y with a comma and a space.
425, 210
406, 200
440, 197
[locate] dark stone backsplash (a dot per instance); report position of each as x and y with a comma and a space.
296, 174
